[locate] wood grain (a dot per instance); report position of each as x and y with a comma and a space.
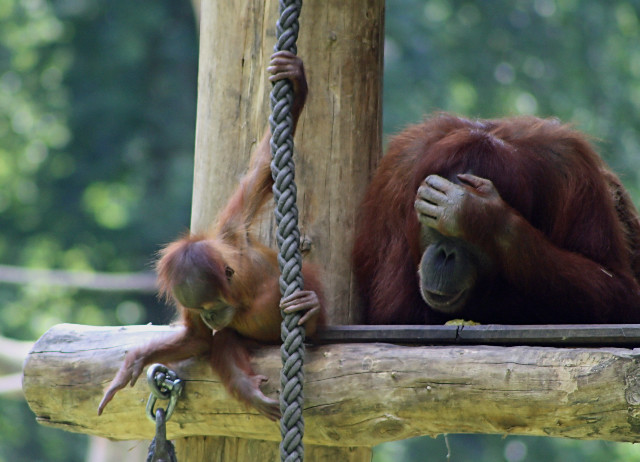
357, 395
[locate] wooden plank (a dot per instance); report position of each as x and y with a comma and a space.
600, 335
390, 334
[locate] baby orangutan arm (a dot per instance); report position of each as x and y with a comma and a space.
180, 345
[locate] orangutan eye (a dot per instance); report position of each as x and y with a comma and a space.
228, 271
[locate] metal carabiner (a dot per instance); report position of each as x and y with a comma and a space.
164, 384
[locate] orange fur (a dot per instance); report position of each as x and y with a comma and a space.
563, 237
227, 277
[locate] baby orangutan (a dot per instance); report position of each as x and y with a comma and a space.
226, 283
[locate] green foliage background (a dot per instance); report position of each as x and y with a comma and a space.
97, 117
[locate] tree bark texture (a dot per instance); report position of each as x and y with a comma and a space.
338, 137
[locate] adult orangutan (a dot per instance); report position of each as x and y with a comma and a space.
226, 282
514, 221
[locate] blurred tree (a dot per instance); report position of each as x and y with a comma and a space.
575, 60
97, 116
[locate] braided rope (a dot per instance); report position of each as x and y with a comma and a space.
288, 239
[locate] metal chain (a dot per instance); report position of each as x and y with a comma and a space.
161, 449
164, 384
288, 239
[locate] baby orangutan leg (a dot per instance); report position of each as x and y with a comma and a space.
230, 358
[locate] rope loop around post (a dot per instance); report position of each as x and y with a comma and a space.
288, 239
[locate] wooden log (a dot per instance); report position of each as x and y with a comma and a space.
338, 140
240, 449
357, 395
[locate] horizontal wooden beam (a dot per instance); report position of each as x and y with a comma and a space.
599, 335
110, 282
356, 394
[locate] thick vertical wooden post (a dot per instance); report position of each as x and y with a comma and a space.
337, 144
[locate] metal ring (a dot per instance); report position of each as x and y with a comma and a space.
164, 384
